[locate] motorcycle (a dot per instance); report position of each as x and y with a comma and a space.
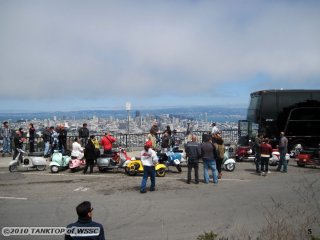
59, 162
118, 159
275, 157
309, 157
135, 166
76, 164
34, 160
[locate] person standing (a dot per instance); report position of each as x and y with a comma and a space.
18, 142
62, 138
265, 154
148, 159
106, 142
165, 141
152, 136
219, 145
84, 134
209, 155
32, 133
193, 153
46, 136
283, 149
85, 212
6, 135
257, 144
90, 155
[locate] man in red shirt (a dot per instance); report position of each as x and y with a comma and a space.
266, 153
106, 142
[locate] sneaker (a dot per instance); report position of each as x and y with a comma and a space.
152, 189
263, 173
188, 182
258, 171
143, 191
269, 171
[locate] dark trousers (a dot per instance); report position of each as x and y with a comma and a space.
257, 161
264, 164
219, 163
89, 163
195, 165
31, 145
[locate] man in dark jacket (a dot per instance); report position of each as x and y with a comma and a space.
84, 134
209, 156
193, 153
90, 155
84, 228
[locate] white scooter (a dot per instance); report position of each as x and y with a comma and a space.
34, 160
229, 164
275, 159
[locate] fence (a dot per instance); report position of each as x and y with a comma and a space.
135, 141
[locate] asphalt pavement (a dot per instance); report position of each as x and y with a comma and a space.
238, 206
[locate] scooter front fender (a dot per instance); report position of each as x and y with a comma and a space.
54, 164
230, 160
159, 166
13, 162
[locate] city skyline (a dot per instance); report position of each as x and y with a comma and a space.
98, 55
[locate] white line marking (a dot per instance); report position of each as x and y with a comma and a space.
15, 198
82, 189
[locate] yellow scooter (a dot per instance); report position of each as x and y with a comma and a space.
135, 166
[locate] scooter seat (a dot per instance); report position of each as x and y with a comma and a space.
35, 154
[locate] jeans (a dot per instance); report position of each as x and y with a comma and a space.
257, 161
283, 161
148, 171
212, 165
195, 165
46, 148
6, 145
264, 164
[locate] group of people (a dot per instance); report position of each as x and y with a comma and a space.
54, 139
263, 152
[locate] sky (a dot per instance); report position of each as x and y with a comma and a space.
58, 55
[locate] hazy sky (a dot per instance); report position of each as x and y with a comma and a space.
88, 54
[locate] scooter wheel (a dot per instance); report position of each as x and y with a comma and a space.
13, 168
230, 167
41, 167
54, 169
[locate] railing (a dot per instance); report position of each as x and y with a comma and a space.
135, 141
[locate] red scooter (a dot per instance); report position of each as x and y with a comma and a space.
309, 156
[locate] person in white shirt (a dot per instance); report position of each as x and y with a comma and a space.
215, 129
77, 150
149, 159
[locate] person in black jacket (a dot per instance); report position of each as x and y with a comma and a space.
193, 153
62, 139
94, 230
84, 134
32, 133
90, 155
209, 156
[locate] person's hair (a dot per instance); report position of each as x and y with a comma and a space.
31, 124
84, 124
76, 139
92, 136
83, 209
5, 122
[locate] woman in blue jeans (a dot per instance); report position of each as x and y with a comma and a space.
209, 154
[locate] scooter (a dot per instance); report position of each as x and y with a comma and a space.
275, 157
34, 160
171, 158
135, 166
244, 153
309, 157
76, 164
229, 164
118, 159
59, 162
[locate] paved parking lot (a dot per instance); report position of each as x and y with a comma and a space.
176, 210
